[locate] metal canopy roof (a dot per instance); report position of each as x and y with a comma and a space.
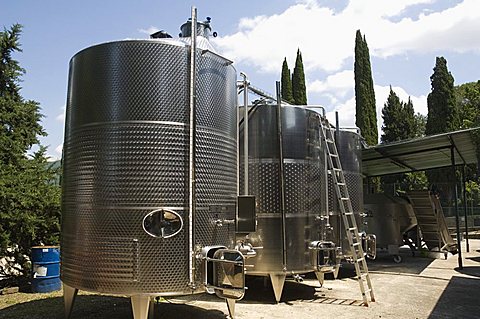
420, 154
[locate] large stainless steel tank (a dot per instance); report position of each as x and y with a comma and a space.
349, 145
305, 185
126, 155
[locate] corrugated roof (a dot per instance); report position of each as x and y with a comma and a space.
420, 154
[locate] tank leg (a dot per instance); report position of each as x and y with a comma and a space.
69, 294
320, 276
277, 283
140, 305
337, 270
151, 309
231, 307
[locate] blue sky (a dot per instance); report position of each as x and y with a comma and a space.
404, 37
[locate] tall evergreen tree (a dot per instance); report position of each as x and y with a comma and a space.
442, 117
366, 114
392, 114
442, 113
409, 123
286, 83
298, 82
29, 198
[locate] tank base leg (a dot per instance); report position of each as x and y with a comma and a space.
231, 307
320, 277
140, 305
151, 309
277, 283
336, 271
69, 294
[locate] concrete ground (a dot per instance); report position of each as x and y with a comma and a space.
417, 288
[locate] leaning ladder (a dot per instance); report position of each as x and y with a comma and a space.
345, 204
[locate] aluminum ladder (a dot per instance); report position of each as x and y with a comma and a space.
345, 205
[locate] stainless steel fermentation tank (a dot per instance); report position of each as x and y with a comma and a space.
284, 251
389, 218
143, 197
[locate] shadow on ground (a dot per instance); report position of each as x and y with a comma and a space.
102, 307
469, 270
458, 300
261, 291
409, 264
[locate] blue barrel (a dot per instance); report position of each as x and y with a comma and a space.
46, 268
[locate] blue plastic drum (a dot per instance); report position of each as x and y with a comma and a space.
46, 268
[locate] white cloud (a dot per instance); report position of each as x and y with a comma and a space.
149, 30
326, 37
59, 150
61, 117
338, 84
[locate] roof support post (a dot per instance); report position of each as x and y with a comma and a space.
457, 219
464, 183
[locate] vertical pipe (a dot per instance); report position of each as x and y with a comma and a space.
191, 157
465, 207
245, 132
281, 175
457, 218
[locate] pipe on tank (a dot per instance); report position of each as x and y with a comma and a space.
245, 132
281, 175
191, 159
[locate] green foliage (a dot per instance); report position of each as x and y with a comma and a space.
442, 111
366, 114
286, 82
298, 82
29, 198
467, 97
398, 119
419, 123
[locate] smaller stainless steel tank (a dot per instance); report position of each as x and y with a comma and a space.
305, 184
349, 145
389, 218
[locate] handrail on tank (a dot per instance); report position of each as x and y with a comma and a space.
317, 107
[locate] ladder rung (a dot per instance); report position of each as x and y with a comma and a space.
348, 214
367, 290
337, 169
329, 140
356, 244
352, 228
341, 184
360, 259
345, 198
333, 155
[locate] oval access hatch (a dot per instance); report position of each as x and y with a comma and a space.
162, 223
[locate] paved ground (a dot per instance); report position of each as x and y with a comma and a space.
417, 288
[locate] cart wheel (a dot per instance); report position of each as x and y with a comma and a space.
397, 259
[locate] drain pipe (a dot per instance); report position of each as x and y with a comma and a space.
245, 132
191, 155
281, 175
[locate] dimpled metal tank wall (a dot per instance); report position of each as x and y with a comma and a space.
126, 154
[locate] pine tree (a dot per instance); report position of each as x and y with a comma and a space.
366, 114
298, 82
29, 198
442, 113
286, 83
392, 114
409, 122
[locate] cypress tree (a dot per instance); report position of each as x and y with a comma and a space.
366, 114
442, 113
442, 117
298, 82
286, 83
